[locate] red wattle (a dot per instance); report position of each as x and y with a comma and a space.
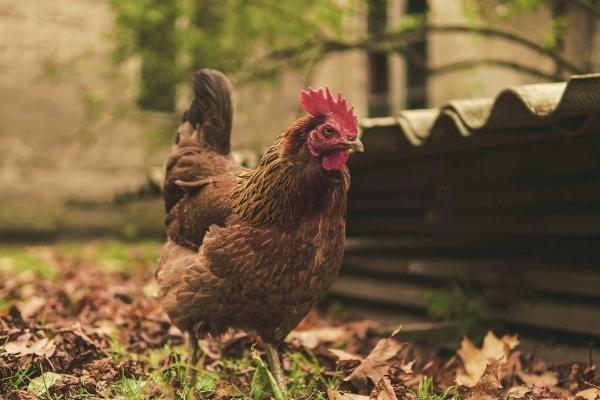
335, 159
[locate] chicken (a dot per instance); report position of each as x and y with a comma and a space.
256, 249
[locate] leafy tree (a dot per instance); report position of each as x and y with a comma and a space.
147, 28
259, 38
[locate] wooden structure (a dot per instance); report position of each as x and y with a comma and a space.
502, 193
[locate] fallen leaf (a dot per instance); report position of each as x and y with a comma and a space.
39, 386
488, 384
227, 391
32, 306
23, 395
514, 366
43, 347
408, 367
342, 355
311, 338
150, 289
383, 390
588, 394
335, 395
517, 393
362, 328
376, 364
547, 379
475, 360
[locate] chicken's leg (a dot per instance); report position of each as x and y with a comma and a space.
275, 366
193, 358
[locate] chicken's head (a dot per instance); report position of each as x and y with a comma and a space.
337, 132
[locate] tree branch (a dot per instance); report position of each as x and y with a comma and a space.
414, 34
399, 41
467, 64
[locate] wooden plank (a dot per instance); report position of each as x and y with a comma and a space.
581, 318
563, 316
476, 204
572, 157
397, 293
510, 194
443, 245
579, 224
483, 197
530, 274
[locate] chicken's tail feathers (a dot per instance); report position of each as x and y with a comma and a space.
211, 111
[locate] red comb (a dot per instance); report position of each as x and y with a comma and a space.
319, 102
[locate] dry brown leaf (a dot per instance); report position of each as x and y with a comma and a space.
383, 390
210, 349
514, 366
476, 360
342, 355
547, 379
511, 341
588, 394
311, 338
32, 306
408, 367
335, 395
43, 347
488, 384
376, 365
361, 329
517, 393
23, 395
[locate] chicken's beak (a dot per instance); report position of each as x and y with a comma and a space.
355, 145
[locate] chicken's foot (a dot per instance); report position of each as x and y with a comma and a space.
276, 369
193, 358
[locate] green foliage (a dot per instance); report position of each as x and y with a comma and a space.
426, 391
263, 383
206, 383
17, 380
22, 260
146, 28
305, 378
114, 256
132, 388
552, 38
174, 37
457, 303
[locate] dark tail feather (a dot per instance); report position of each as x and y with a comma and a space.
211, 111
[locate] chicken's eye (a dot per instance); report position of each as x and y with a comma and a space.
328, 131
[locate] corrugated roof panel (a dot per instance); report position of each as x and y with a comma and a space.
572, 107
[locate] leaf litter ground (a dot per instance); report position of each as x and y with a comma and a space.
80, 321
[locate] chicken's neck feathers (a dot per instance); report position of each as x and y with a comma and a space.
286, 192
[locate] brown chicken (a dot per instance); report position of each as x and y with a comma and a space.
253, 249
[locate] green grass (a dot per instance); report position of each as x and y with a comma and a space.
305, 377
131, 388
426, 391
19, 260
112, 255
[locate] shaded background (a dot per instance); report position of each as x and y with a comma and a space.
92, 90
